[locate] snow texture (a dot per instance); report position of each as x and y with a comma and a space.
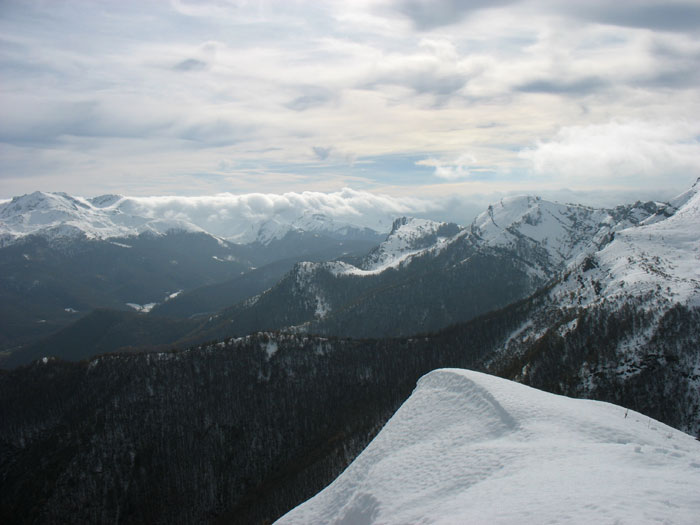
467, 447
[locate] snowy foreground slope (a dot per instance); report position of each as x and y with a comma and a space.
467, 447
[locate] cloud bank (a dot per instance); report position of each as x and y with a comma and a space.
230, 216
629, 153
233, 96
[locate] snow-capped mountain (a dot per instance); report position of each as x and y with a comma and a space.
587, 303
659, 258
427, 274
408, 237
61, 216
544, 235
562, 231
472, 448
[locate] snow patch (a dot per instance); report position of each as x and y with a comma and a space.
172, 295
270, 348
144, 308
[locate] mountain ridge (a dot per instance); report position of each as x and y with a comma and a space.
58, 215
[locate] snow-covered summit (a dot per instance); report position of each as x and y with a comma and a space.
659, 258
55, 215
564, 231
408, 237
103, 201
545, 235
467, 447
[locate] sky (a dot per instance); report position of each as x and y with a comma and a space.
448, 100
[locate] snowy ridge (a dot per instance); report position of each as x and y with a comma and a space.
275, 229
564, 231
58, 215
659, 259
408, 237
547, 235
467, 447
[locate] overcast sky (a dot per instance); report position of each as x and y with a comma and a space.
408, 98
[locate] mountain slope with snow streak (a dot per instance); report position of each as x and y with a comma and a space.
467, 447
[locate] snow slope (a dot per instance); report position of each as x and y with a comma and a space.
659, 258
269, 230
564, 231
467, 447
408, 237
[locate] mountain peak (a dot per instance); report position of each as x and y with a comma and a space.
408, 236
658, 259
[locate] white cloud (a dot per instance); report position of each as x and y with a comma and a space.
629, 153
458, 168
230, 215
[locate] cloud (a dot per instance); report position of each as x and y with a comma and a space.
215, 132
311, 97
581, 86
434, 68
233, 95
626, 154
229, 215
459, 168
43, 122
657, 15
431, 14
190, 64
321, 152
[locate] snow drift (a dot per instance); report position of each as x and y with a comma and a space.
467, 447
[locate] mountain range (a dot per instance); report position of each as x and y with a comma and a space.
62, 257
281, 391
